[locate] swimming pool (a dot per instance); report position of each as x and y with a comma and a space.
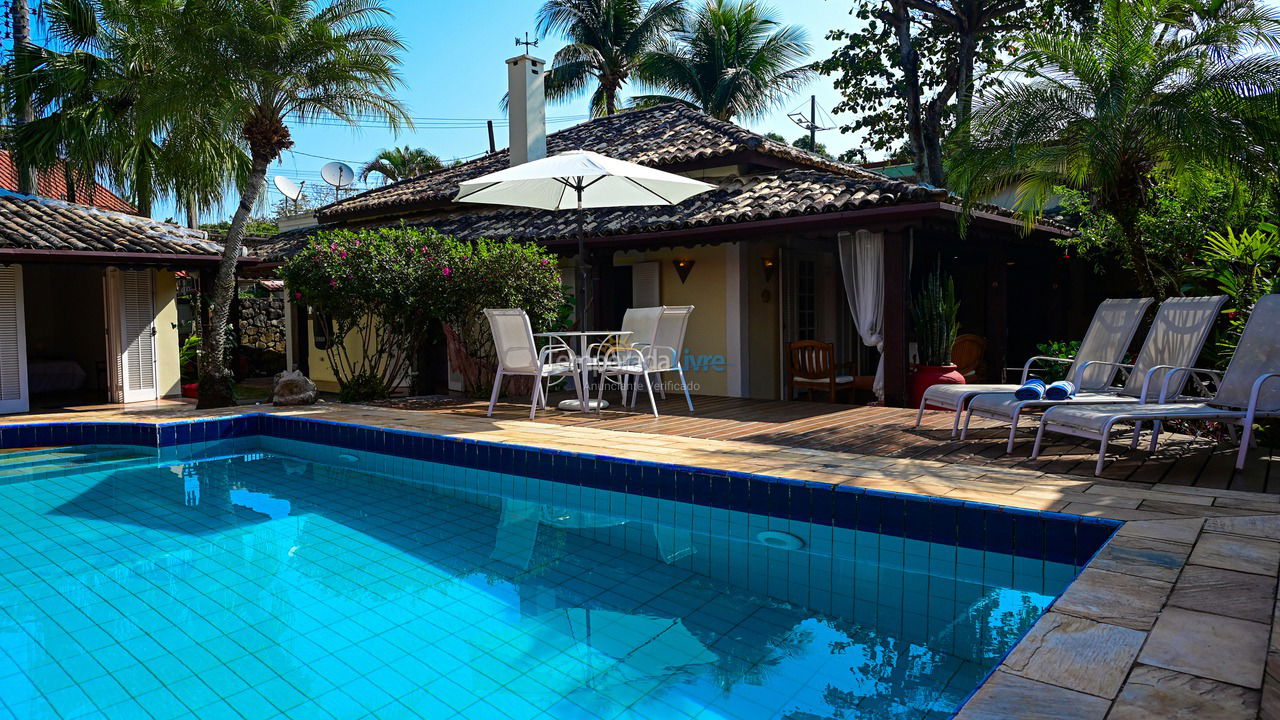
233, 569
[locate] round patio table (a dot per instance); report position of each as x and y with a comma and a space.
583, 368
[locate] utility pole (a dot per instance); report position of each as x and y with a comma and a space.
20, 16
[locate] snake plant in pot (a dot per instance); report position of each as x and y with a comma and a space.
933, 313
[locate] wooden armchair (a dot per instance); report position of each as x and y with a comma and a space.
811, 367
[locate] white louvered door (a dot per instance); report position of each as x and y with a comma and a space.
132, 335
13, 342
646, 284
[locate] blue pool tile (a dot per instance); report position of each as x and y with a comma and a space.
943, 522
1028, 535
999, 532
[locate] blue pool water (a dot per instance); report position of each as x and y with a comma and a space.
263, 577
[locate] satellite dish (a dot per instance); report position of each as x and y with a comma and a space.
288, 188
339, 175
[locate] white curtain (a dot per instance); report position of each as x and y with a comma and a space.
862, 266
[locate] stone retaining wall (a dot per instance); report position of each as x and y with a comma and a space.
262, 323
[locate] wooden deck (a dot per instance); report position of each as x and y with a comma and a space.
889, 432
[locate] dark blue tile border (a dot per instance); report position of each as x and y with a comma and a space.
1025, 533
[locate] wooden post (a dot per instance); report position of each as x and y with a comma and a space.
997, 320
897, 295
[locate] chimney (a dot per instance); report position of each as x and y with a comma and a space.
526, 109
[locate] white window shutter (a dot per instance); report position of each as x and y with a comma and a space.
646, 284
13, 342
137, 323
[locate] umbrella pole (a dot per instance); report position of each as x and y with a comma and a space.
581, 300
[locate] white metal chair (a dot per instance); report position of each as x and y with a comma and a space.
639, 326
1175, 339
518, 354
668, 345
1242, 396
623, 361
1106, 340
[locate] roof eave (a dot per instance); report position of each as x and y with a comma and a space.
98, 257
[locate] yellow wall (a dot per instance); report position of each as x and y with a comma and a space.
164, 299
321, 373
318, 362
705, 290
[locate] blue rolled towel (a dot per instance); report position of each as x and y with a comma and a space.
1061, 390
1032, 389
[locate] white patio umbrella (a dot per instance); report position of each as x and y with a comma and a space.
579, 179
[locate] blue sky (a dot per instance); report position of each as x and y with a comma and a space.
454, 69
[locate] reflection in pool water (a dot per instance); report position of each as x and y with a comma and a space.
259, 579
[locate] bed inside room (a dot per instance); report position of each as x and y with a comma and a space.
66, 335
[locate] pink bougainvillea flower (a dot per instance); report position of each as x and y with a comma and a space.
333, 246
357, 243
297, 296
546, 261
446, 272
333, 283
343, 254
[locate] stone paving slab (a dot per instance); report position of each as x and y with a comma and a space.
1169, 621
1154, 693
1209, 646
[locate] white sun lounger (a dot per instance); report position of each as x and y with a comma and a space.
1244, 394
1175, 339
1105, 341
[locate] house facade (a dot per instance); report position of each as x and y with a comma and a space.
759, 256
88, 310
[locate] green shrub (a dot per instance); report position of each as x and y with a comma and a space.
384, 290
1053, 372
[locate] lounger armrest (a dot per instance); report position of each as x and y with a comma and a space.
1171, 371
1255, 393
1089, 363
1026, 369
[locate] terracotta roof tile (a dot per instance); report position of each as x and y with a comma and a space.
786, 193
52, 184
660, 136
35, 223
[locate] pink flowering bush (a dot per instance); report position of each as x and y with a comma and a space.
385, 291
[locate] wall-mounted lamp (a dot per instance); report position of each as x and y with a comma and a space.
683, 267
770, 266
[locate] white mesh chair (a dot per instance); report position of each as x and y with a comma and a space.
1105, 341
1244, 394
518, 354
639, 326
668, 345
1175, 339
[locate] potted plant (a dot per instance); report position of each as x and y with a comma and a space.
934, 312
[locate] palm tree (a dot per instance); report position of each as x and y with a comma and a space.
260, 64
607, 40
22, 110
732, 59
93, 114
401, 163
1149, 89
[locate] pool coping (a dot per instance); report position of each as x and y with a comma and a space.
1153, 624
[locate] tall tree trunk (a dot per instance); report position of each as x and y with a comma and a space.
964, 81
899, 18
143, 186
20, 17
217, 385
193, 213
